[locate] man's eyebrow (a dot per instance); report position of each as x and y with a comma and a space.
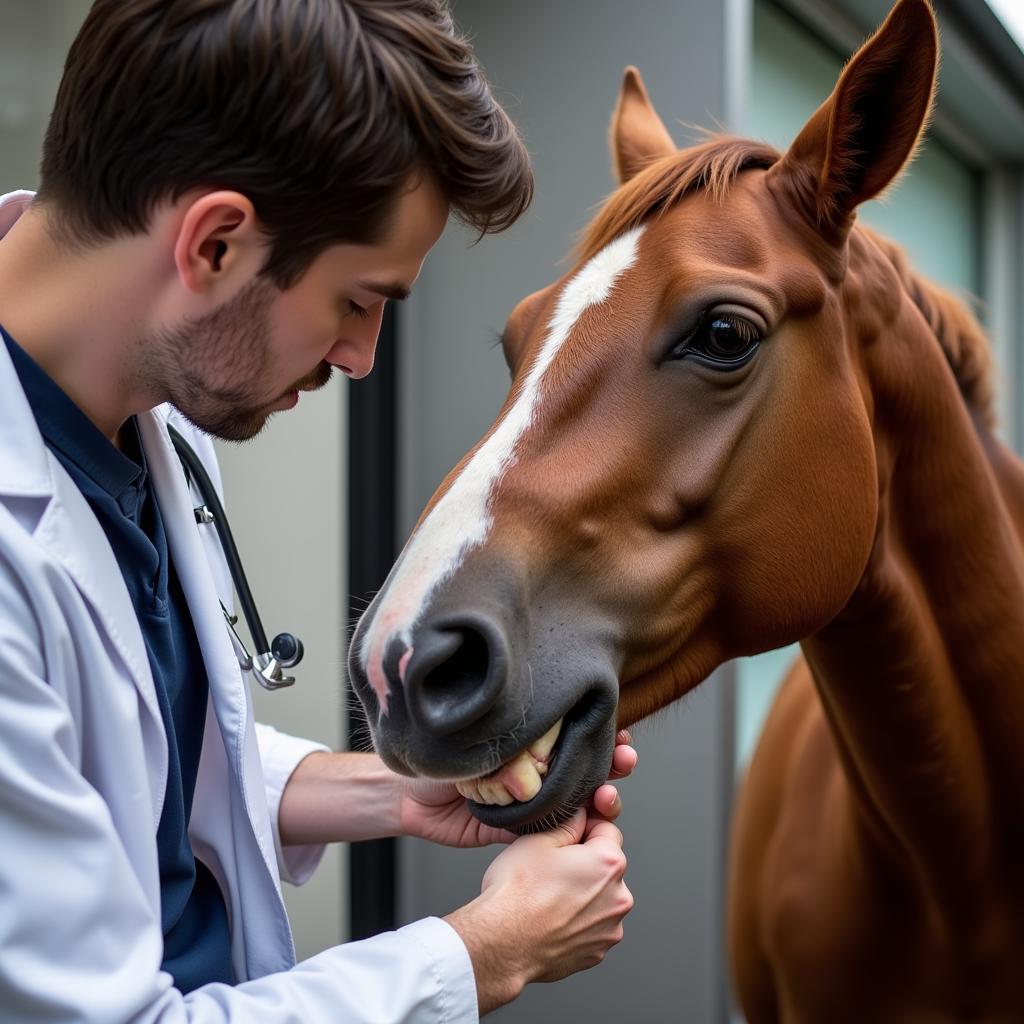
389, 290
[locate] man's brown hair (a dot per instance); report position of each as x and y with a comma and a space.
319, 111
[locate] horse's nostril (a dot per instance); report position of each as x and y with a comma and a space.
456, 673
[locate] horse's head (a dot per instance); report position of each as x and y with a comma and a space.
684, 470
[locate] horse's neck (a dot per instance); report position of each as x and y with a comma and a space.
922, 675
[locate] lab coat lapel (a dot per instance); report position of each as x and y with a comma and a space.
67, 529
227, 689
24, 461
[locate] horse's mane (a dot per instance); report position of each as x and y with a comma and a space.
962, 338
712, 166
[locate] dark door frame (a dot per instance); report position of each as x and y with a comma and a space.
372, 548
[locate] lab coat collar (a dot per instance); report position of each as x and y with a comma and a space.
61, 521
24, 462
25, 470
64, 525
12, 206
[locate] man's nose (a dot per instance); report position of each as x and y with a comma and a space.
353, 353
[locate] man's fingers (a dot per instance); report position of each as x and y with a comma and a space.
623, 736
624, 759
602, 830
607, 802
568, 833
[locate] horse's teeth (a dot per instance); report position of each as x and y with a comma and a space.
541, 749
468, 789
495, 793
518, 780
521, 778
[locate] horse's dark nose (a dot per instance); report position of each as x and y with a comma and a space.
456, 673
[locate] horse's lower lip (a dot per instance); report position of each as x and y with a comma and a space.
539, 813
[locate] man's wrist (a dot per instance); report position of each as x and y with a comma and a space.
498, 969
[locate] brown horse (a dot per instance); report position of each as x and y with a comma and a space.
741, 421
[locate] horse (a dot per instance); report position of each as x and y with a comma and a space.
739, 421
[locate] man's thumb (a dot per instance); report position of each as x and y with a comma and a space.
569, 832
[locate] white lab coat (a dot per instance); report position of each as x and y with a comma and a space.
83, 770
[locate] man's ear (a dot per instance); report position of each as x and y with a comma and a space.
864, 134
638, 136
218, 238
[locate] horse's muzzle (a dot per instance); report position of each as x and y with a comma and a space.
479, 679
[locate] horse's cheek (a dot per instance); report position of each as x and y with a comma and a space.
809, 521
841, 507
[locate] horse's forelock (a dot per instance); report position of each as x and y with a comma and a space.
711, 166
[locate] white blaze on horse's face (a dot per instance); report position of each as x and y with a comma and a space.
461, 521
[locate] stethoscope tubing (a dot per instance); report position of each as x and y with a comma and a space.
208, 494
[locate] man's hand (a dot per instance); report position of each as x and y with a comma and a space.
348, 796
606, 800
438, 812
550, 905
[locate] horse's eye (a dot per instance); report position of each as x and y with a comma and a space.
722, 341
728, 338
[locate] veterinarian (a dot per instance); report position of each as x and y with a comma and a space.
230, 191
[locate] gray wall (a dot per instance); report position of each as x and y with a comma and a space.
557, 66
34, 38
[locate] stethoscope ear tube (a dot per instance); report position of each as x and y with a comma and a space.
287, 649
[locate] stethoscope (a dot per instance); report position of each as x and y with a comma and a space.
286, 650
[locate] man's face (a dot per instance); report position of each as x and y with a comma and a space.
229, 370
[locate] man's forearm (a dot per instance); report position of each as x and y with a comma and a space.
341, 797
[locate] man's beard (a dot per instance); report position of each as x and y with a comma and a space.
212, 369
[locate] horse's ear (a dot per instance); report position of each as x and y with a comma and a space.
638, 135
863, 135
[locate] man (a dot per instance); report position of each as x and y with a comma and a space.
231, 190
